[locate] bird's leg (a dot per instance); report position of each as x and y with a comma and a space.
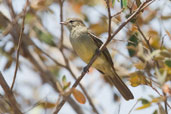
85, 69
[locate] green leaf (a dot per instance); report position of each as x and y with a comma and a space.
168, 63
65, 83
133, 43
64, 79
133, 20
144, 101
113, 3
155, 112
123, 3
138, 3
44, 36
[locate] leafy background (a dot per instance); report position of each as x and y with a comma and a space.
141, 52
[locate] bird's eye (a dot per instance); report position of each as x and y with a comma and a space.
71, 21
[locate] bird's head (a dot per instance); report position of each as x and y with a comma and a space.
72, 23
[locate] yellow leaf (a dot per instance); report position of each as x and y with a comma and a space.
158, 99
47, 104
137, 78
140, 65
154, 39
144, 106
98, 28
78, 95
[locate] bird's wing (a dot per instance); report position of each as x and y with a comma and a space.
105, 52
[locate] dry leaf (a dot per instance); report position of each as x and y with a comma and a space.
167, 89
168, 33
78, 95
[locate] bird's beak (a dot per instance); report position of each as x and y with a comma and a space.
63, 23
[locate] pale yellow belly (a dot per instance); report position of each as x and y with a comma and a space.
85, 49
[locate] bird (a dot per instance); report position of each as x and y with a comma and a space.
85, 44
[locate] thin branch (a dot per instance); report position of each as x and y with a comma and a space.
9, 94
158, 93
118, 13
12, 13
19, 44
144, 37
133, 107
141, 8
162, 41
62, 26
83, 89
165, 102
109, 20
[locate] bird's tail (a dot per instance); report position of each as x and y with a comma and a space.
120, 85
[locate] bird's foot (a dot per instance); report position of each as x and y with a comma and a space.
85, 69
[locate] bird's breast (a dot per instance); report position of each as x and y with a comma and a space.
83, 46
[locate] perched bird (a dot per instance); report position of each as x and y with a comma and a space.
85, 44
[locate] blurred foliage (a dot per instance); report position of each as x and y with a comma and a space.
148, 62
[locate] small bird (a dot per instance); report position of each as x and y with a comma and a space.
85, 44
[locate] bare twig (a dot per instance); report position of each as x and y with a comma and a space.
158, 93
109, 20
83, 89
162, 41
148, 44
10, 95
62, 26
165, 102
144, 37
133, 107
12, 13
142, 6
19, 44
118, 13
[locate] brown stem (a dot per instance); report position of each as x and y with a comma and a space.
12, 13
165, 102
19, 45
10, 95
62, 26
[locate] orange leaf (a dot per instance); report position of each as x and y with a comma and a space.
78, 95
